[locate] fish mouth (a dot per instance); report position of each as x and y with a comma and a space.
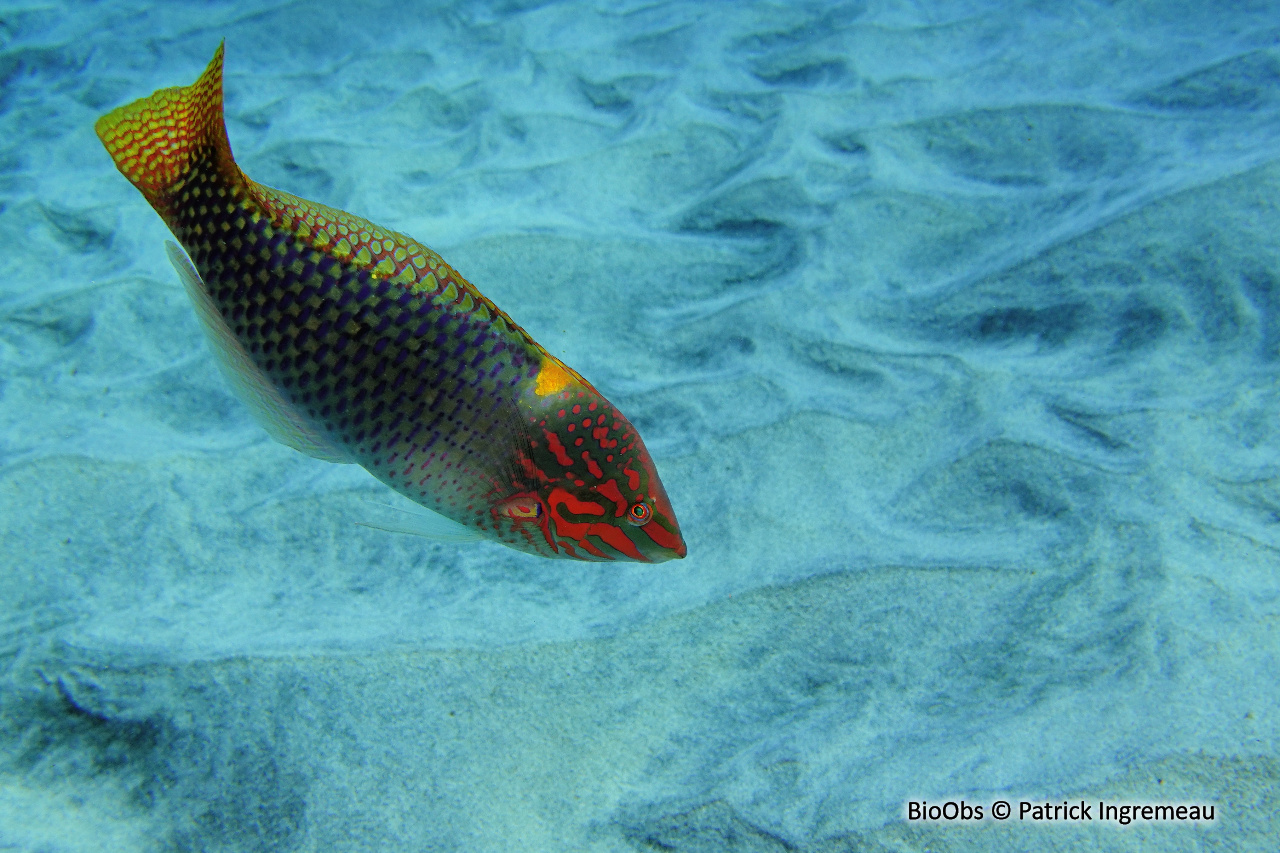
662, 552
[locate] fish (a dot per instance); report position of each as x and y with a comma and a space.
353, 343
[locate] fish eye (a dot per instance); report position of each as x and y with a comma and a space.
640, 513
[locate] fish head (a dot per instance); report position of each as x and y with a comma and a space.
593, 492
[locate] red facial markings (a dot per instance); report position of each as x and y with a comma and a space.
586, 545
531, 470
553, 443
579, 530
574, 504
633, 478
592, 466
609, 489
663, 537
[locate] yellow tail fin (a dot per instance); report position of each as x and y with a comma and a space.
153, 140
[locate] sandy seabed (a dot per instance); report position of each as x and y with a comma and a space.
954, 330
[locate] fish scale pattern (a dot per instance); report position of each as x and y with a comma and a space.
373, 342
407, 375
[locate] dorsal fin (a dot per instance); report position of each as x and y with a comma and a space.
268, 406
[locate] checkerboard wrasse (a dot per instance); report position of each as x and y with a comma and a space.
353, 343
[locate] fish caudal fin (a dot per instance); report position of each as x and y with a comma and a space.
153, 141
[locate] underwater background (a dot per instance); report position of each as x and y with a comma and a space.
954, 331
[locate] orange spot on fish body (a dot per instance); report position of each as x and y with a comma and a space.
552, 377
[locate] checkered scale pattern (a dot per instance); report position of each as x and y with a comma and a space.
391, 354
403, 363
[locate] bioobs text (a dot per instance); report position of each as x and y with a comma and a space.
950, 810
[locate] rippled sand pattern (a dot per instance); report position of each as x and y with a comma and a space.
953, 329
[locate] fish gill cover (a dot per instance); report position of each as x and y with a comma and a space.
953, 330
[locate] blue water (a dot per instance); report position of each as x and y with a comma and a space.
953, 328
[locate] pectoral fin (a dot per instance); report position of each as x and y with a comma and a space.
423, 522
